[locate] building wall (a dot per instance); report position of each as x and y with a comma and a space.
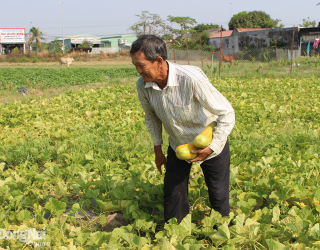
261, 39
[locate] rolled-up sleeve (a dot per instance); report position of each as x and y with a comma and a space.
153, 123
212, 100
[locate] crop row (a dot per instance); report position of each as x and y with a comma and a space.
47, 77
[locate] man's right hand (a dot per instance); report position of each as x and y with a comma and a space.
160, 158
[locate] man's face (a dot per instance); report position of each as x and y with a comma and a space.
147, 69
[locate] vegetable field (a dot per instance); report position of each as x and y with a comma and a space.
90, 150
50, 77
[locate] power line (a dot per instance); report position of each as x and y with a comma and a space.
80, 27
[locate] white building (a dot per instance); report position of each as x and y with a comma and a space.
11, 38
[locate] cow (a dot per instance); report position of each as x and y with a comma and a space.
65, 60
230, 58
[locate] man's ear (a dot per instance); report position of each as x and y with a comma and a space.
159, 60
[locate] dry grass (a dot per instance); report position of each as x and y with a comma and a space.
48, 56
98, 60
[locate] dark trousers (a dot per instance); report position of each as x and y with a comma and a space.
217, 174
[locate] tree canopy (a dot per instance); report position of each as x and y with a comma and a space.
149, 24
202, 27
253, 19
35, 36
85, 44
185, 24
306, 23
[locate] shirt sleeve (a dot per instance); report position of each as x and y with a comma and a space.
153, 123
212, 100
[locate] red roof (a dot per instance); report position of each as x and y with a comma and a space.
224, 34
251, 29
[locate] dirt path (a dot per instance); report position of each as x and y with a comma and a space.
116, 62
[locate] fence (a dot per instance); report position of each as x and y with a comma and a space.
104, 50
249, 60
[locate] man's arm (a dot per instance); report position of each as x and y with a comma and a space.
154, 125
152, 121
160, 158
212, 100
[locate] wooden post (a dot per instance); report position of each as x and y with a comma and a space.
174, 54
276, 50
201, 53
220, 58
294, 28
187, 51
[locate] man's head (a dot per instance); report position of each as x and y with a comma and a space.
148, 54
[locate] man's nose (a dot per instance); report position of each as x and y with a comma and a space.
139, 69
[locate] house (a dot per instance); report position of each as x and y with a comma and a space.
214, 40
306, 35
74, 41
240, 38
118, 41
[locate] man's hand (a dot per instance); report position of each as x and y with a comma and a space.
160, 158
203, 154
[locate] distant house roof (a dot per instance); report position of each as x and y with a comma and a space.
79, 36
224, 34
250, 29
117, 36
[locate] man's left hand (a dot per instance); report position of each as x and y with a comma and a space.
203, 154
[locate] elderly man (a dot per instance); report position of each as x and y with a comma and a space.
182, 99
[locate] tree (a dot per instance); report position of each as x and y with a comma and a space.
253, 19
185, 25
202, 27
85, 44
36, 35
307, 23
55, 45
150, 24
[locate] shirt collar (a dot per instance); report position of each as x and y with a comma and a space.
171, 79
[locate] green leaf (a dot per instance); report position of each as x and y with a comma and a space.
221, 236
24, 215
274, 245
134, 240
186, 223
275, 214
103, 219
75, 208
55, 206
89, 156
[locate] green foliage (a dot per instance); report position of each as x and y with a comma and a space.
85, 44
185, 24
202, 27
93, 143
253, 19
53, 78
306, 23
280, 43
35, 36
55, 46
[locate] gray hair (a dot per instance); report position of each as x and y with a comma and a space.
152, 47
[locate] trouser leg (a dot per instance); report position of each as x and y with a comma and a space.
217, 174
175, 187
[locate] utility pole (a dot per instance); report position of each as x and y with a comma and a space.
62, 30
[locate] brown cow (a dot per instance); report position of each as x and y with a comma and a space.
230, 58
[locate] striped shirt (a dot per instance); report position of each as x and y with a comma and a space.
185, 107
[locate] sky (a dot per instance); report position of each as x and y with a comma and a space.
104, 18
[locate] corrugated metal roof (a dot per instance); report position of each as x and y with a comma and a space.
79, 36
224, 34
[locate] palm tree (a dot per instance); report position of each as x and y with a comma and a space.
36, 35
